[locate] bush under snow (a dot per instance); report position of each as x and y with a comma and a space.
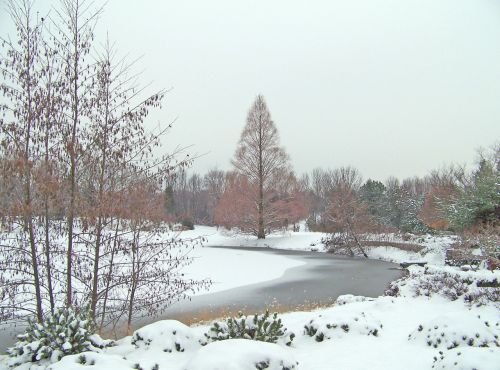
468, 358
349, 298
474, 287
342, 323
60, 334
457, 330
264, 328
242, 354
92, 360
167, 336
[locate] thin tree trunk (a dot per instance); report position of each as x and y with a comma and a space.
357, 241
69, 253
28, 221
108, 278
135, 278
47, 254
28, 206
46, 207
71, 211
131, 307
97, 250
100, 205
34, 264
260, 233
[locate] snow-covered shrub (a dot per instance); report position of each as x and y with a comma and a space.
167, 336
456, 330
475, 287
349, 298
93, 361
264, 328
467, 358
449, 285
242, 354
324, 328
65, 332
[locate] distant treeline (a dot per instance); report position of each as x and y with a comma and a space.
451, 198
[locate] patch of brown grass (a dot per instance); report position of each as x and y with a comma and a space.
206, 316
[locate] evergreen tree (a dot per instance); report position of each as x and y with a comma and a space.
169, 200
479, 201
373, 195
404, 206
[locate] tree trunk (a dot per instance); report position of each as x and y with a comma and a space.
100, 202
48, 168
34, 263
47, 256
97, 254
28, 223
71, 214
28, 212
357, 241
260, 233
130, 309
108, 279
135, 279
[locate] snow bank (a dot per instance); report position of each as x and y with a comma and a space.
91, 360
242, 354
468, 358
349, 298
399, 344
458, 329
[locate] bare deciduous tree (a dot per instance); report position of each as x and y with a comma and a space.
77, 20
260, 158
82, 221
21, 67
345, 217
214, 181
348, 219
236, 209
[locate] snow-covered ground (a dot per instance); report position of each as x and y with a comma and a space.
301, 240
435, 317
404, 327
433, 252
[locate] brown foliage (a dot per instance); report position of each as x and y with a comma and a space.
347, 219
237, 206
430, 213
346, 213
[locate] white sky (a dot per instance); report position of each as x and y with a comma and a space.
392, 87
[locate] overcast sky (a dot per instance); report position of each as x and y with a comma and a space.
392, 87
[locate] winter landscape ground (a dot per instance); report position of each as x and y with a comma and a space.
436, 317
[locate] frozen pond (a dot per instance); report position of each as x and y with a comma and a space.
311, 278
319, 279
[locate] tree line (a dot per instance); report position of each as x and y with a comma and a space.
262, 193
